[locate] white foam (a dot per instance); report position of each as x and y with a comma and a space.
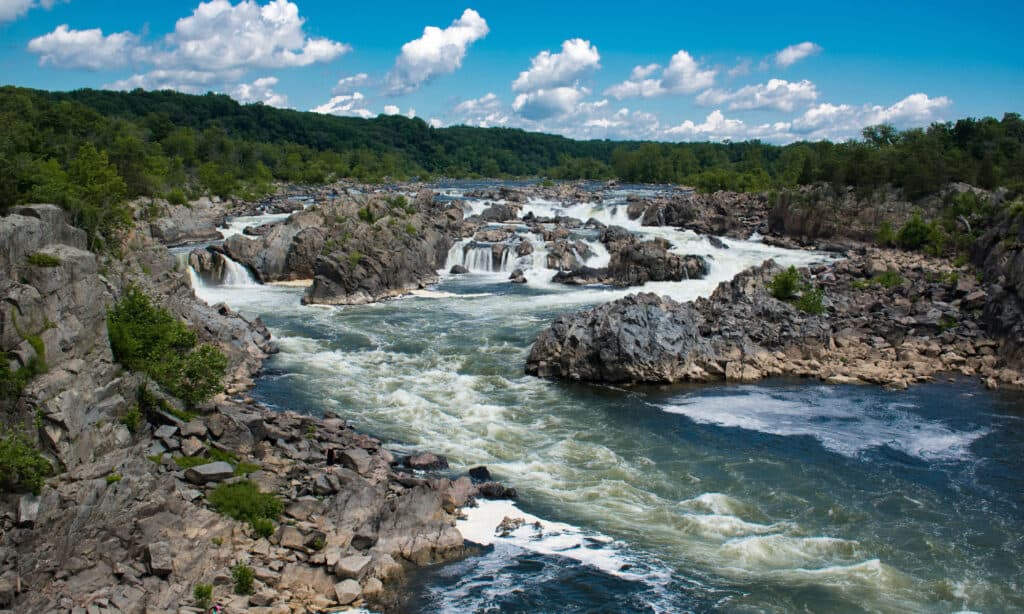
839, 423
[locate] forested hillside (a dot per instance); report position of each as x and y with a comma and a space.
89, 150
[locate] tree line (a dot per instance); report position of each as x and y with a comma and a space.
90, 150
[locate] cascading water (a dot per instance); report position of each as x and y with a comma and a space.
778, 497
236, 274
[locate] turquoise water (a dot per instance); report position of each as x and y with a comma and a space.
778, 497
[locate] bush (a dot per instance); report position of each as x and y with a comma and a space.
886, 236
244, 501
149, 339
177, 197
243, 575
22, 467
13, 382
810, 301
914, 234
889, 279
202, 595
114, 478
132, 419
263, 527
784, 286
44, 260
355, 258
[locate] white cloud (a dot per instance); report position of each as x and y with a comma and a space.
222, 36
437, 52
794, 53
484, 112
714, 127
189, 81
741, 68
683, 75
346, 104
15, 9
830, 121
554, 102
776, 94
390, 109
347, 85
553, 70
89, 49
435, 123
260, 90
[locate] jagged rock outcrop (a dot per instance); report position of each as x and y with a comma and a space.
377, 249
892, 334
638, 263
287, 251
999, 255
180, 224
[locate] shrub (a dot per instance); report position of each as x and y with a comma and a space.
810, 301
244, 501
114, 478
366, 214
132, 419
914, 234
22, 467
784, 285
355, 258
263, 527
202, 595
13, 382
245, 468
148, 338
410, 230
889, 279
44, 260
243, 575
177, 197
886, 236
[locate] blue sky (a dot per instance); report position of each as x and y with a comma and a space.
664, 71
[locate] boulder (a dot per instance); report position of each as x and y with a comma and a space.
357, 460
517, 277
210, 472
160, 559
352, 566
347, 591
458, 269
426, 461
495, 490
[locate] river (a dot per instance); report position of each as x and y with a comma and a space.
779, 497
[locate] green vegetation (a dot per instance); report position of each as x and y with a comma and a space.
43, 260
187, 462
149, 339
114, 478
889, 279
244, 501
886, 236
355, 257
263, 527
22, 467
132, 419
243, 575
202, 596
13, 382
787, 286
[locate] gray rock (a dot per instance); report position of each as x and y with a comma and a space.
426, 461
159, 559
191, 446
352, 566
347, 591
357, 460
165, 431
210, 472
290, 537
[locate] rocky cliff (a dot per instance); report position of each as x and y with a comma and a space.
889, 318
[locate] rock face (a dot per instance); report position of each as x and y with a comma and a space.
634, 263
378, 249
180, 224
871, 333
999, 254
287, 251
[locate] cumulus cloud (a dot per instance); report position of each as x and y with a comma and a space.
794, 53
683, 75
88, 49
741, 68
347, 85
353, 105
776, 94
390, 109
188, 81
545, 103
437, 52
222, 36
846, 121
260, 90
553, 70
484, 112
15, 9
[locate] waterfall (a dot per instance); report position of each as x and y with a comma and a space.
479, 257
236, 274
